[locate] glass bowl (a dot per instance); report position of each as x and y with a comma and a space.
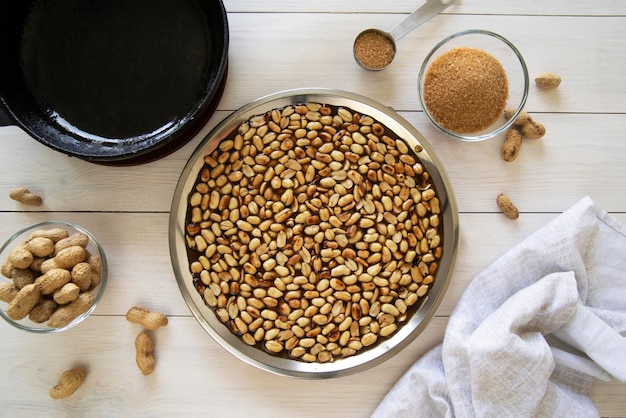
19, 277
464, 94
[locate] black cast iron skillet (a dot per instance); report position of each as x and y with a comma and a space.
116, 82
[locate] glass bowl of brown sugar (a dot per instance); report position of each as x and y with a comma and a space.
468, 80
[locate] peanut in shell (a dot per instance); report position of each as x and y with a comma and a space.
53, 280
8, 291
144, 358
511, 145
23, 302
146, 318
533, 130
42, 311
69, 381
548, 81
67, 313
25, 196
507, 207
522, 119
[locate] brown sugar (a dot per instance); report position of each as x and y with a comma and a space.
373, 50
465, 90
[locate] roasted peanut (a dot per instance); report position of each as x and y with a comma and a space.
303, 231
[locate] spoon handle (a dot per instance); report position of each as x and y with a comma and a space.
424, 13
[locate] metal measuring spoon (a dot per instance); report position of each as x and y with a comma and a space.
375, 49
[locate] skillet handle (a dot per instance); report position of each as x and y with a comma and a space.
5, 120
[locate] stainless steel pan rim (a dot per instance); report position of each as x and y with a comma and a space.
283, 366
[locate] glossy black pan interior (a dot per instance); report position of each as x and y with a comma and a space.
115, 81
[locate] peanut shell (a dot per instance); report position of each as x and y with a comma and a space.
25, 196
522, 119
144, 358
66, 294
81, 275
78, 239
533, 130
42, 311
511, 145
67, 313
6, 268
55, 234
146, 318
23, 302
70, 256
8, 291
20, 257
548, 81
22, 277
507, 207
40, 246
53, 280
47, 265
69, 381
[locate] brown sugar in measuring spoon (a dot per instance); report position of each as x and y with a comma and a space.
375, 49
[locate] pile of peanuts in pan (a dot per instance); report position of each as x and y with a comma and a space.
313, 232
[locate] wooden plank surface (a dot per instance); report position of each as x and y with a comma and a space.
286, 45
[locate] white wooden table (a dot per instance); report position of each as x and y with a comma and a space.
287, 44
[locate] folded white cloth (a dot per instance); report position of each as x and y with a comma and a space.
531, 331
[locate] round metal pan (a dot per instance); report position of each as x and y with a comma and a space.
285, 366
112, 82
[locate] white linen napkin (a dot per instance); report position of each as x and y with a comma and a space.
531, 331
